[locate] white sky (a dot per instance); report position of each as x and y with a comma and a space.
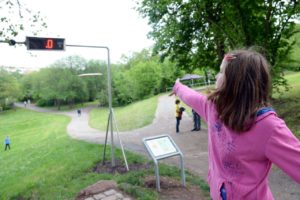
112, 23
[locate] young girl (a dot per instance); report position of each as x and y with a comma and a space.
245, 134
7, 143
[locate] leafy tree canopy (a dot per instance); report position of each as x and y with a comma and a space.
142, 76
16, 17
197, 33
9, 87
60, 84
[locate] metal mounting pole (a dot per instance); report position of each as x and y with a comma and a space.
113, 160
110, 117
106, 136
121, 144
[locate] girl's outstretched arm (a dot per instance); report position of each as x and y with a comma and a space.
283, 149
192, 98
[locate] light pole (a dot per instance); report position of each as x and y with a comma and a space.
111, 118
110, 115
90, 74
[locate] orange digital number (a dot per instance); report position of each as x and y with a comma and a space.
49, 44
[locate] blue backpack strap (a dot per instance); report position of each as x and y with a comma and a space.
223, 193
264, 110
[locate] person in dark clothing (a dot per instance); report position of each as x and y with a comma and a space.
197, 121
79, 112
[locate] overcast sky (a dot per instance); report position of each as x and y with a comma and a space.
112, 23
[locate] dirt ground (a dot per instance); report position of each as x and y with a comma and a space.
171, 189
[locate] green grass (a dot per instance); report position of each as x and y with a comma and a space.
295, 53
287, 104
45, 163
133, 116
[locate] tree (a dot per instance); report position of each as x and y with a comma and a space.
16, 18
74, 62
79, 65
27, 85
10, 89
169, 73
197, 33
96, 86
59, 86
142, 76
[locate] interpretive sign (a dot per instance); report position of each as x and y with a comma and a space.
160, 147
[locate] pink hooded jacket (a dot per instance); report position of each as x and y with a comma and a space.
242, 162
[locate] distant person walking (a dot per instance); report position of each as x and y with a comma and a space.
7, 143
25, 104
79, 112
197, 121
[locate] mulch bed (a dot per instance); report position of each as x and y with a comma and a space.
119, 167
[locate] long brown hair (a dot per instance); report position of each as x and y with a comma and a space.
244, 89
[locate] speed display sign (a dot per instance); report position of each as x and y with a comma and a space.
40, 43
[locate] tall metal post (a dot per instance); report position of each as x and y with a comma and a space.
110, 116
113, 161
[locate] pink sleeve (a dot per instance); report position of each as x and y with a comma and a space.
194, 99
283, 149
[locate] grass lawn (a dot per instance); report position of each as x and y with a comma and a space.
287, 104
133, 116
45, 163
294, 55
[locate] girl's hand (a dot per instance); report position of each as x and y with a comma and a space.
177, 80
172, 93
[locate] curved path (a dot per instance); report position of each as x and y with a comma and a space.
192, 144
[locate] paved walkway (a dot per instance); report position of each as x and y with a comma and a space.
102, 190
192, 144
110, 194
